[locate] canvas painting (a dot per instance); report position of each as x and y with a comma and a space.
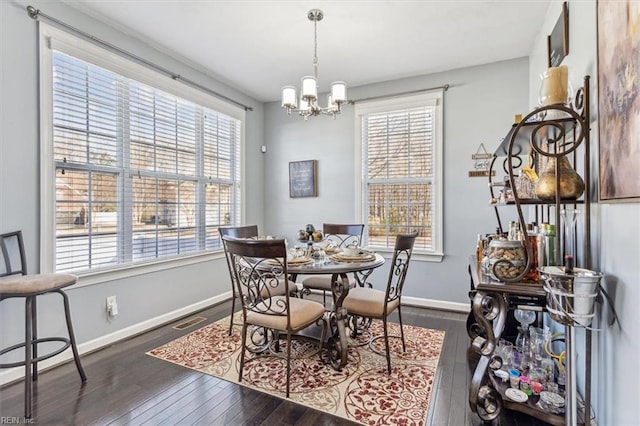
619, 99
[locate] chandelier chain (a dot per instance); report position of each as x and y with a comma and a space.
315, 48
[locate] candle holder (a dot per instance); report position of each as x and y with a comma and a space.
555, 88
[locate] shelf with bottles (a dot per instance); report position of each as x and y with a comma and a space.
550, 143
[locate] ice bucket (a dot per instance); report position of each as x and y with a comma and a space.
570, 297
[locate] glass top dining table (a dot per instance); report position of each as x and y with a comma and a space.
339, 271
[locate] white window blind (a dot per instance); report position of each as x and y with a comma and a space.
140, 173
401, 171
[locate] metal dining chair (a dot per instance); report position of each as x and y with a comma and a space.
260, 267
248, 231
340, 235
378, 304
16, 283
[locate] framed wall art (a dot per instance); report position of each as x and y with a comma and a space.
303, 179
558, 40
619, 99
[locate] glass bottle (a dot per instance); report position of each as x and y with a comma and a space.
542, 244
525, 318
479, 248
550, 245
532, 236
513, 230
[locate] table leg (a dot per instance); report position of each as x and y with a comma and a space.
337, 342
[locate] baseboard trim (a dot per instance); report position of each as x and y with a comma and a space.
12, 374
419, 302
436, 304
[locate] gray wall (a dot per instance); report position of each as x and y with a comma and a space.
478, 108
141, 298
616, 238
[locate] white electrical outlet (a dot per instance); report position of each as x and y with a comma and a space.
112, 306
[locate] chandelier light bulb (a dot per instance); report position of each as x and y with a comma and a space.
289, 97
309, 88
339, 92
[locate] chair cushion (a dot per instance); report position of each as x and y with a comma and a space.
322, 282
303, 313
280, 289
26, 285
368, 302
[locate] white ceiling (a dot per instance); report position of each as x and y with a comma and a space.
258, 46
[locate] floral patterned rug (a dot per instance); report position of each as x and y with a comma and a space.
362, 392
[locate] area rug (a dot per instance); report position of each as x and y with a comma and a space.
362, 391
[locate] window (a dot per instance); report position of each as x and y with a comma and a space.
400, 158
135, 169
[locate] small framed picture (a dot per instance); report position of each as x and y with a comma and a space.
558, 40
303, 179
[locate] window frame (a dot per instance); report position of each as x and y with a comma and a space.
51, 38
432, 98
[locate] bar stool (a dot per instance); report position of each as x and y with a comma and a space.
15, 282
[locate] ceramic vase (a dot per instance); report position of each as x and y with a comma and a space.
571, 185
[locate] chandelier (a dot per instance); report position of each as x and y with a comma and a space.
309, 91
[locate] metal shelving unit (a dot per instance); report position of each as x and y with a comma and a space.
551, 131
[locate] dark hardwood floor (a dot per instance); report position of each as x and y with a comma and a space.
127, 387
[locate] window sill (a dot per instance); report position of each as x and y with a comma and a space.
88, 278
415, 257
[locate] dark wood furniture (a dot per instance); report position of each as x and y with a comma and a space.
16, 283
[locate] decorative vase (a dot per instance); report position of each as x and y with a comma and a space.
571, 185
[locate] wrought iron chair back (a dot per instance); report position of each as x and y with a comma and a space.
248, 231
403, 250
343, 235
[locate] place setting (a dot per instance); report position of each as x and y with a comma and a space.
353, 254
301, 260
292, 260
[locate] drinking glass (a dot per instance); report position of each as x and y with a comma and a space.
525, 317
538, 338
568, 218
505, 351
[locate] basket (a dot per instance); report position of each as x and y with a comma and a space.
570, 297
